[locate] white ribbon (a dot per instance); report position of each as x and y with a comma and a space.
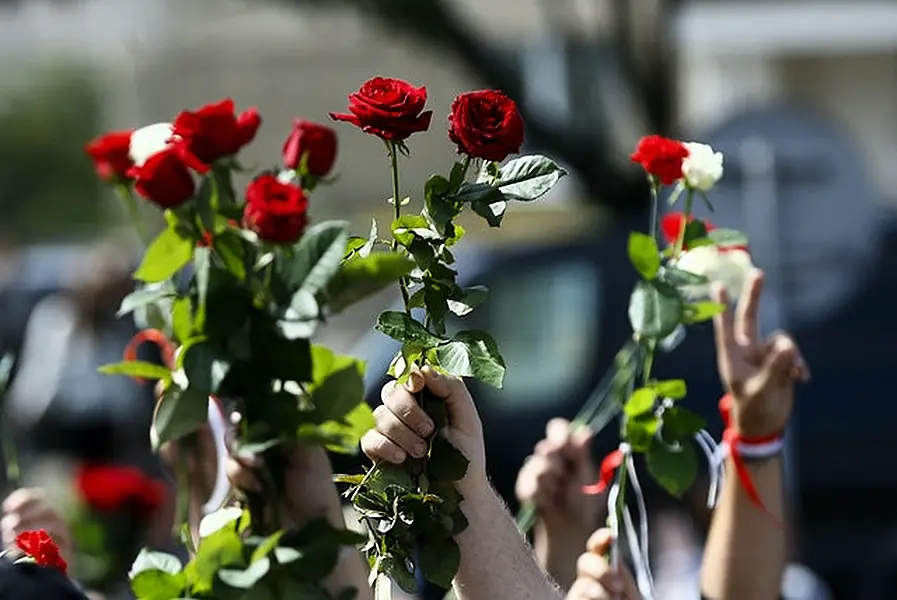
715, 455
218, 426
636, 540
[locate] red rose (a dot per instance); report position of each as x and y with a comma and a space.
315, 141
274, 210
486, 124
214, 131
164, 179
41, 547
660, 157
111, 155
388, 108
109, 488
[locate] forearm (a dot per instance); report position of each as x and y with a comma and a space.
558, 551
496, 561
745, 553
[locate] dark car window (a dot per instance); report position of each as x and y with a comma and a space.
546, 320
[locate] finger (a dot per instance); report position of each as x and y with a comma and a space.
595, 567
538, 475
587, 589
600, 541
462, 411
241, 476
377, 446
748, 309
723, 323
391, 426
23, 498
777, 364
404, 406
557, 432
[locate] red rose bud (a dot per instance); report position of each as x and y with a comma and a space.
391, 109
672, 224
164, 179
110, 154
213, 132
486, 124
276, 211
660, 157
315, 142
40, 546
109, 488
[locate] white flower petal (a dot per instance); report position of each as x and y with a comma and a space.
730, 268
149, 140
703, 167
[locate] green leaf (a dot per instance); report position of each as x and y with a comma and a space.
397, 570
138, 369
353, 246
317, 256
143, 297
655, 309
246, 578
702, 311
153, 584
642, 401
441, 209
465, 300
221, 549
439, 560
361, 277
473, 354
337, 384
726, 238
675, 469
300, 319
400, 326
179, 413
182, 319
387, 476
695, 230
350, 430
365, 250
457, 174
446, 463
674, 389
216, 521
528, 178
204, 367
678, 277
408, 227
166, 255
231, 249
644, 254
148, 560
681, 425
640, 431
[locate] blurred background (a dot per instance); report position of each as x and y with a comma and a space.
801, 96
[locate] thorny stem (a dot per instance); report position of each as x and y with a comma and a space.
397, 204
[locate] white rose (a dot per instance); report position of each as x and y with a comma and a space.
703, 167
149, 140
730, 267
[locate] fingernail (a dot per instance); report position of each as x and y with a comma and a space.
398, 456
415, 381
425, 428
420, 449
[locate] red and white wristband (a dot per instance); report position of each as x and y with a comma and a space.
741, 449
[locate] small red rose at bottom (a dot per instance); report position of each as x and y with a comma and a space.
40, 546
276, 211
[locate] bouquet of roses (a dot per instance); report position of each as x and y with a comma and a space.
263, 279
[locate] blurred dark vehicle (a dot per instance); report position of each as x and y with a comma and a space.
558, 313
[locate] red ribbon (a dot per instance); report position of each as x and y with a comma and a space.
156, 337
609, 466
733, 440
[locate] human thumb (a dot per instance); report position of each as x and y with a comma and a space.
777, 364
462, 412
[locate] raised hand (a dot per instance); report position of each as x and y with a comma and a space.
553, 477
758, 373
595, 579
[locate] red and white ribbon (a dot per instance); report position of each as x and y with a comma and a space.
739, 447
217, 418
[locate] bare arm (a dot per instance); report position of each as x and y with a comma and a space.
496, 562
746, 549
